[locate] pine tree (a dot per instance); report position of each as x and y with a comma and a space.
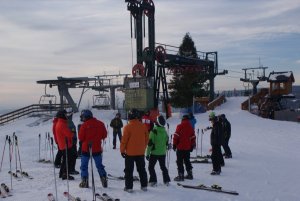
186, 85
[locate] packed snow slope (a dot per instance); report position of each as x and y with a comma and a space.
264, 167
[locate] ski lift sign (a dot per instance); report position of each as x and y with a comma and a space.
133, 85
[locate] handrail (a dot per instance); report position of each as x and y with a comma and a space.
216, 102
31, 109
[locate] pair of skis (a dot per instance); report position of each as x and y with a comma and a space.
4, 191
213, 188
70, 197
17, 177
113, 177
103, 197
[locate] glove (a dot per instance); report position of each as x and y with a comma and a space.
147, 158
174, 147
123, 155
169, 146
193, 147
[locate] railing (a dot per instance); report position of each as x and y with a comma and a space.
255, 98
216, 102
28, 110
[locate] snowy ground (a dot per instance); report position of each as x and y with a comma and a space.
264, 167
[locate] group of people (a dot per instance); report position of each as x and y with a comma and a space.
141, 137
91, 134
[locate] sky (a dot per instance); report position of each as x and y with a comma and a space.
43, 39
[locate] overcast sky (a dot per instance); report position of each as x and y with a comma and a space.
43, 39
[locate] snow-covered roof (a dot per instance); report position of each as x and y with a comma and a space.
281, 76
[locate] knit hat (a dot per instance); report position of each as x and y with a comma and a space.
161, 121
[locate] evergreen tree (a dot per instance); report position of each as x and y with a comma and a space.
185, 85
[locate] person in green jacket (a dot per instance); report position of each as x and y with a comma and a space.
156, 151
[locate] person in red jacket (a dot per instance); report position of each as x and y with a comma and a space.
147, 121
91, 134
64, 141
59, 154
183, 143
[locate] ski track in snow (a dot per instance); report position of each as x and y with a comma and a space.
264, 167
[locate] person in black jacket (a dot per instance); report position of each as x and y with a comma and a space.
226, 126
216, 140
116, 123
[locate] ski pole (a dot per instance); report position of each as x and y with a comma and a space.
49, 147
16, 154
54, 168
201, 139
67, 166
93, 182
45, 148
108, 135
6, 138
197, 143
39, 147
17, 145
10, 158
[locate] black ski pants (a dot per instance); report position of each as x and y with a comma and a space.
226, 147
183, 156
65, 159
216, 157
140, 166
115, 134
162, 163
58, 158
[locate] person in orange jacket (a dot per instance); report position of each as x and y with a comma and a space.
64, 140
91, 133
133, 145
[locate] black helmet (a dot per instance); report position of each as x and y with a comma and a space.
161, 121
133, 114
61, 114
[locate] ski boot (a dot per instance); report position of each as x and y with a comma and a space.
84, 183
189, 175
153, 184
180, 177
104, 181
144, 188
128, 190
65, 177
215, 172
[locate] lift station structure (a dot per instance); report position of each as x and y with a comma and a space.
142, 91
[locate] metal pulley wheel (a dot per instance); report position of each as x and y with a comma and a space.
138, 70
160, 54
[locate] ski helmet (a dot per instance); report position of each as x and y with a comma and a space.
161, 121
86, 114
133, 114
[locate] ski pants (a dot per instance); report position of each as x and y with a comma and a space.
226, 147
115, 134
140, 166
162, 163
216, 157
58, 158
183, 156
85, 165
65, 159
